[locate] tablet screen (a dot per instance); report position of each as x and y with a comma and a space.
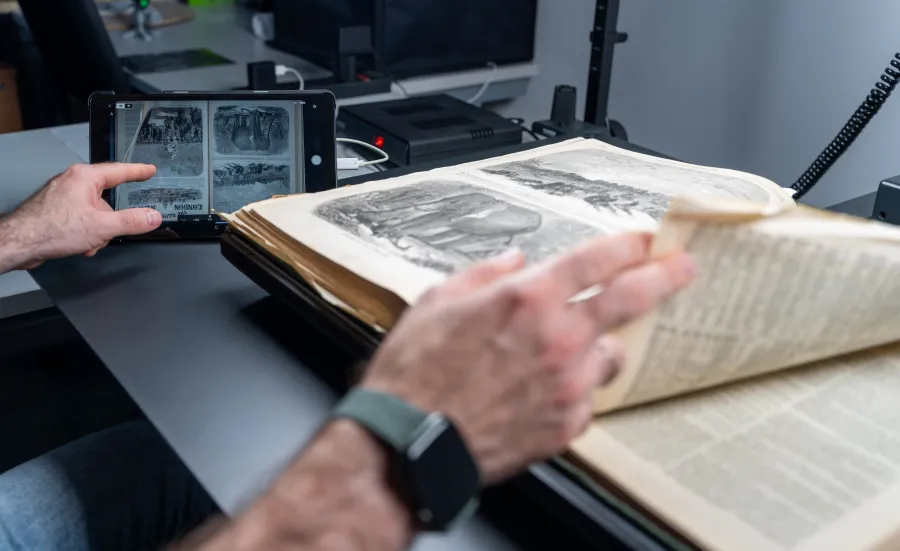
210, 156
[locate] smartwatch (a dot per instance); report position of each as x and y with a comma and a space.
441, 478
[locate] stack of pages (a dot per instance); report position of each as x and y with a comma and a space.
758, 410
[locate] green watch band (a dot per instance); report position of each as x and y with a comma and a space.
390, 418
439, 474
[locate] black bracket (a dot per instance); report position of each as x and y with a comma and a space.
604, 38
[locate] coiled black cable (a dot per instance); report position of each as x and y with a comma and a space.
854, 127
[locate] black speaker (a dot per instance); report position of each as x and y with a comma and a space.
410, 37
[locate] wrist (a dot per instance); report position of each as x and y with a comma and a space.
338, 495
15, 251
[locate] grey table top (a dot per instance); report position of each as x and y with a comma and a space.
28, 159
224, 373
220, 30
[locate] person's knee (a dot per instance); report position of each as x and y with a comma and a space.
38, 509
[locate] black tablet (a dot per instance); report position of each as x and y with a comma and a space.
214, 152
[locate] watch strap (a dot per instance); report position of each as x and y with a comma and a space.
390, 418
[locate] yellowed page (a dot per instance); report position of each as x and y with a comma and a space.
802, 460
409, 233
775, 289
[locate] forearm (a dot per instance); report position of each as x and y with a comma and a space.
337, 496
13, 249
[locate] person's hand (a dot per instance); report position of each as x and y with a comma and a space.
503, 352
68, 215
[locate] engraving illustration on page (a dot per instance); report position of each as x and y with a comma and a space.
251, 155
620, 184
172, 139
237, 184
251, 130
447, 225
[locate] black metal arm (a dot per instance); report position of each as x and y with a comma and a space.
604, 37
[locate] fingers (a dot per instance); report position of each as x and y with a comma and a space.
596, 262
606, 357
110, 175
597, 365
483, 273
637, 292
131, 222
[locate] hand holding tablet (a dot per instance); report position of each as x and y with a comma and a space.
213, 152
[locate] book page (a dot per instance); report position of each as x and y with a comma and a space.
773, 291
171, 135
621, 183
409, 233
802, 460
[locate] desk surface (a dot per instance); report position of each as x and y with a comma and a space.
220, 370
28, 159
218, 29
224, 31
227, 375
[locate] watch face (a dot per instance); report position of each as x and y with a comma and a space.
444, 477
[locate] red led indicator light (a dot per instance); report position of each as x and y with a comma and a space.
379, 141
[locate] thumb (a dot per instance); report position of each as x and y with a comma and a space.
488, 271
133, 221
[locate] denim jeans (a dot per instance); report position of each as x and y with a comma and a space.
118, 489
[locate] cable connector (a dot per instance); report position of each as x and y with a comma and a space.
281, 70
384, 156
349, 163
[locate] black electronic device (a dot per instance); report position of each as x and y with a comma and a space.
887, 201
427, 128
435, 469
562, 120
603, 38
409, 38
214, 152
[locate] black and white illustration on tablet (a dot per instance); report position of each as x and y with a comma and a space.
238, 184
619, 183
171, 138
164, 197
251, 130
447, 225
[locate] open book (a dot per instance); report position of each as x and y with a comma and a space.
758, 409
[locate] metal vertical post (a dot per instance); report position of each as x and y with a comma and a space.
604, 37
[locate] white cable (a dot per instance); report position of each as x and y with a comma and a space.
404, 93
281, 70
487, 83
384, 156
